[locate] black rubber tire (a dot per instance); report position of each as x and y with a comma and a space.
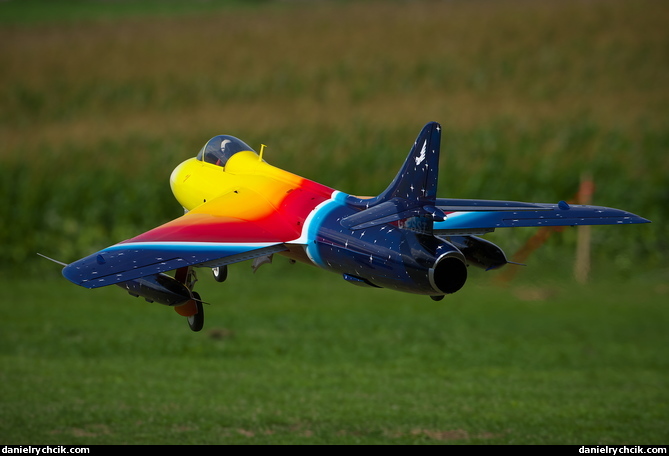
220, 273
196, 322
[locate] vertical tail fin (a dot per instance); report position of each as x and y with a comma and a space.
411, 196
417, 179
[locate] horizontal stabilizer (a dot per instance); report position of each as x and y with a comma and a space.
390, 211
387, 212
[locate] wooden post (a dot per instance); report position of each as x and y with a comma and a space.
582, 263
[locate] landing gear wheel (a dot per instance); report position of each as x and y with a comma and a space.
196, 321
437, 298
220, 273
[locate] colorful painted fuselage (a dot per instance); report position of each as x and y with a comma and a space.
248, 199
240, 208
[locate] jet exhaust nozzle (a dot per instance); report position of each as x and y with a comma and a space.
449, 272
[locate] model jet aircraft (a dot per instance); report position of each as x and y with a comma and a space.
241, 208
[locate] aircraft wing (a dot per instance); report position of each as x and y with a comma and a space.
471, 216
209, 235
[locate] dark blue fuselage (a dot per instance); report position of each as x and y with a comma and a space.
385, 255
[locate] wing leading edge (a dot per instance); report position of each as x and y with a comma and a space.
124, 262
238, 226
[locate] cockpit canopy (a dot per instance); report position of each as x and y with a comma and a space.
220, 148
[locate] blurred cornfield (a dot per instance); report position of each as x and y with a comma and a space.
96, 112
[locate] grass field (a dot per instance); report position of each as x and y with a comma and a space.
293, 356
100, 100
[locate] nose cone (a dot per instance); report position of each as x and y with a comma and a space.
181, 182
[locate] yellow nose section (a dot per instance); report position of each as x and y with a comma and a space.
193, 182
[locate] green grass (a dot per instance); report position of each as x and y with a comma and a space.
295, 355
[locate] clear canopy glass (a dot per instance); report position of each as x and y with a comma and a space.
219, 149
